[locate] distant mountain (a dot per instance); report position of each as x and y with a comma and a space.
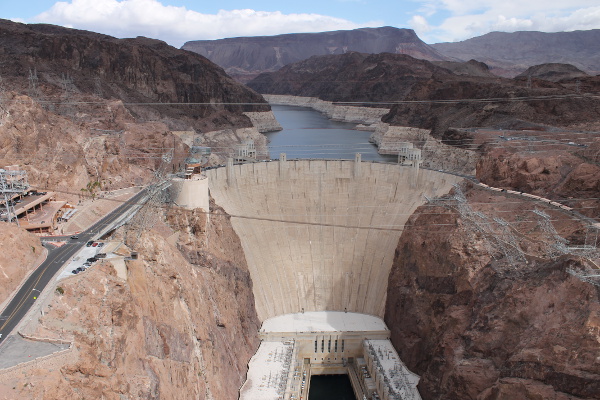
246, 57
509, 54
553, 72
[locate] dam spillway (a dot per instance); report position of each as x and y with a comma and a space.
320, 235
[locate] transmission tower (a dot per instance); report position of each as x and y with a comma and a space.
557, 244
34, 90
12, 182
157, 196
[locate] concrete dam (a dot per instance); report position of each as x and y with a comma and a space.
319, 238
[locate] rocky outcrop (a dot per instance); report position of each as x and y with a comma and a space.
511, 53
434, 153
246, 57
553, 72
475, 325
182, 325
20, 251
264, 121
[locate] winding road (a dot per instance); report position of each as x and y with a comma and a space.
57, 257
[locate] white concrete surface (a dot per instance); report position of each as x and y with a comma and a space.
190, 193
391, 375
323, 321
268, 372
319, 236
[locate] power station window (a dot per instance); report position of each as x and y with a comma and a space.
329, 346
315, 346
343, 345
322, 345
335, 346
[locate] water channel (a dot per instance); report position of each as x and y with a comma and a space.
309, 134
331, 387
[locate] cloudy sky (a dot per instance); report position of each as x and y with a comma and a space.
177, 21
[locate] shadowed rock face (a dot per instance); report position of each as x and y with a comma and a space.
69, 63
246, 57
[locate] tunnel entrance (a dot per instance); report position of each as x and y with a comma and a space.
331, 387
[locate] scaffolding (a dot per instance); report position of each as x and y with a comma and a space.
12, 182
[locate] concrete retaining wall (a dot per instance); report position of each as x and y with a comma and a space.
338, 251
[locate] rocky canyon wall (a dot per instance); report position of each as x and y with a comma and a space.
476, 326
182, 325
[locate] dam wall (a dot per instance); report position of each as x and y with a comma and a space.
321, 234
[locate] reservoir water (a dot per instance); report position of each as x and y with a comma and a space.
309, 134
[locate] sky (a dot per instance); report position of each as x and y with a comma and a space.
178, 21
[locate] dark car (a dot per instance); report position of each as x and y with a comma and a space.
92, 259
88, 244
101, 255
75, 271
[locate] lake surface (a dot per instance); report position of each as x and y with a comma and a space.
309, 134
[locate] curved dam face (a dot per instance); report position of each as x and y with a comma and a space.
320, 235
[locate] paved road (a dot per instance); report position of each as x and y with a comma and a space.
27, 296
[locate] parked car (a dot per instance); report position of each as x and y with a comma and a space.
94, 244
88, 244
92, 259
75, 271
101, 255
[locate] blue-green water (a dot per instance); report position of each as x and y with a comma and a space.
330, 387
309, 134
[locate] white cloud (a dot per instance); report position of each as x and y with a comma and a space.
419, 24
175, 25
468, 18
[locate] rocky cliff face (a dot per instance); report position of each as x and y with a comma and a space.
19, 252
476, 326
182, 325
511, 53
570, 177
246, 57
87, 107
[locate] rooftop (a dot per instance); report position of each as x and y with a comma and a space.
324, 321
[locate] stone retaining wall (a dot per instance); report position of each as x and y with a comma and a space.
49, 362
